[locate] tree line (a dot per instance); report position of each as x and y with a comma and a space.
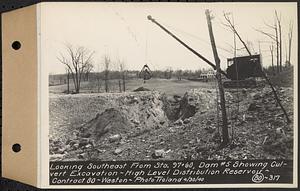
275, 34
79, 66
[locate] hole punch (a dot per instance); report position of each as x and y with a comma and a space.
16, 45
16, 148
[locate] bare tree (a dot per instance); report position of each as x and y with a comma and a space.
107, 63
68, 80
266, 77
290, 35
259, 48
179, 74
272, 56
120, 86
88, 69
98, 77
275, 38
123, 73
278, 18
76, 60
231, 26
286, 55
168, 72
250, 46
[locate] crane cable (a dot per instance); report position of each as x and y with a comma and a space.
146, 43
145, 69
129, 29
195, 37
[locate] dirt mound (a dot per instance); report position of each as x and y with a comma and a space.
111, 120
141, 89
134, 114
145, 110
195, 100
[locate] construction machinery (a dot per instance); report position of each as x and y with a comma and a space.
242, 71
145, 73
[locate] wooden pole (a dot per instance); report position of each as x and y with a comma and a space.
225, 135
237, 77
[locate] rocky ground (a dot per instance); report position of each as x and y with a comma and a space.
148, 125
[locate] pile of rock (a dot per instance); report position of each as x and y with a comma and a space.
195, 100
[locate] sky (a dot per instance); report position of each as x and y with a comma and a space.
123, 32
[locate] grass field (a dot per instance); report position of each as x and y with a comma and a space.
168, 86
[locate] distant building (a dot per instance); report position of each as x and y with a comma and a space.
208, 75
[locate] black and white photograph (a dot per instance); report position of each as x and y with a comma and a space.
170, 81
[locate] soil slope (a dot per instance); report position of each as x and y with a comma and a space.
149, 125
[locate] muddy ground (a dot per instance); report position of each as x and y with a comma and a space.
149, 125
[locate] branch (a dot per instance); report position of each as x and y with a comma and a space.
234, 30
267, 34
271, 48
240, 48
278, 18
290, 34
74, 56
64, 61
272, 27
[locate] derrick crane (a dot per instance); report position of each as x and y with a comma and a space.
185, 45
232, 71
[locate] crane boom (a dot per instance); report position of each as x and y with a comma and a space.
185, 45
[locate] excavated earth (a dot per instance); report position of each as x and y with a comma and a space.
148, 125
